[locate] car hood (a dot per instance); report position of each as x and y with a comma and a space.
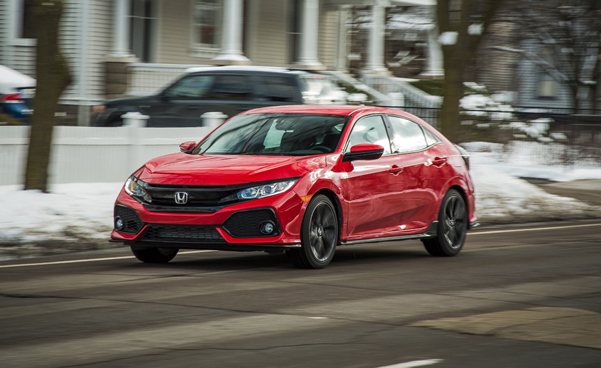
185, 169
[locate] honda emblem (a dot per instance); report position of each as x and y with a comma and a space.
181, 197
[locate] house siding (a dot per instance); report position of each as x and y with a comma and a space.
528, 77
86, 35
496, 69
3, 31
271, 46
328, 36
175, 44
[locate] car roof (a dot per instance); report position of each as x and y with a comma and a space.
269, 69
343, 110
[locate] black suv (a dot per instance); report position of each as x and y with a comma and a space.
228, 90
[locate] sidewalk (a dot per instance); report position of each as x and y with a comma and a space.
588, 191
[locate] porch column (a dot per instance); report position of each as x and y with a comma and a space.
343, 39
121, 30
375, 63
435, 66
309, 38
231, 43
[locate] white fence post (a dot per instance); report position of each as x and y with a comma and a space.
133, 121
213, 119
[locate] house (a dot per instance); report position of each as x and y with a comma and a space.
112, 44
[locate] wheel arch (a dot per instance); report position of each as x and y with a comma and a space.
463, 195
337, 207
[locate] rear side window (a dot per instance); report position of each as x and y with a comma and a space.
193, 87
232, 87
407, 135
280, 88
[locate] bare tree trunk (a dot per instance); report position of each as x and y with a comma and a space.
454, 56
53, 76
455, 17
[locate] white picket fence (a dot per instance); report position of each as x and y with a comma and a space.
91, 154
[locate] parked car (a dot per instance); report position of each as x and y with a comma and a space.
16, 94
304, 180
229, 90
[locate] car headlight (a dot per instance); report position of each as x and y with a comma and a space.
136, 188
266, 190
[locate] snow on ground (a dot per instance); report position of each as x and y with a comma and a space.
80, 215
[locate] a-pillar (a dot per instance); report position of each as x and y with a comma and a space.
231, 44
308, 58
375, 63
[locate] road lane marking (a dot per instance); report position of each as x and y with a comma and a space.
415, 363
531, 229
205, 251
89, 260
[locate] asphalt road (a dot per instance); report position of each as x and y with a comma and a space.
517, 296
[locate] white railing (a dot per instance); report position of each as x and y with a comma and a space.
147, 79
375, 96
91, 154
413, 96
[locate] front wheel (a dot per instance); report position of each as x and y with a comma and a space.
319, 235
452, 227
154, 255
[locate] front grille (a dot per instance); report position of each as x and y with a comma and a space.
207, 199
131, 222
201, 199
182, 234
247, 223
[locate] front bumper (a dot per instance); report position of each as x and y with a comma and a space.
237, 227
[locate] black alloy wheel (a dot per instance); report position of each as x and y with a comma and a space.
452, 227
319, 235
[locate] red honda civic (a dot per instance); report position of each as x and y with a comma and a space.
304, 180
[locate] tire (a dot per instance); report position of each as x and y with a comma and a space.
154, 255
452, 227
319, 235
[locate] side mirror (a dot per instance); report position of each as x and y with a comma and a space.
364, 151
187, 147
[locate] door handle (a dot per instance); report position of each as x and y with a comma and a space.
395, 170
439, 161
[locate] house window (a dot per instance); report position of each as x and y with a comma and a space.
207, 21
22, 24
546, 86
142, 29
294, 30
27, 23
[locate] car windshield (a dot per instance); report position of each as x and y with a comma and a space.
276, 134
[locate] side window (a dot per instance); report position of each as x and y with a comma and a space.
371, 129
232, 87
407, 135
280, 88
193, 87
431, 139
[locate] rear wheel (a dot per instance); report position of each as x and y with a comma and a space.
154, 255
319, 235
452, 227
